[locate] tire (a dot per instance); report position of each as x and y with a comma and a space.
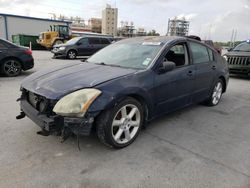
71, 54
216, 94
11, 67
114, 126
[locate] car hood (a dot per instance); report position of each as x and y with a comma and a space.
61, 80
59, 45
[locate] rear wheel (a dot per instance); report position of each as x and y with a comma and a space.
216, 95
120, 126
71, 54
11, 67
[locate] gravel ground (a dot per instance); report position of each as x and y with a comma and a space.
196, 147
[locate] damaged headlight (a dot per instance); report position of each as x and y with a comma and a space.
77, 103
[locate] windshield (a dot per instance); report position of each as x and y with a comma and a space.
243, 47
73, 41
137, 55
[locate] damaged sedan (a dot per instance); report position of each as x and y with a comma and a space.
122, 87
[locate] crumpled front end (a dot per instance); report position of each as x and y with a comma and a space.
40, 110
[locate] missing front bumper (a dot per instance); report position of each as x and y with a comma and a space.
56, 124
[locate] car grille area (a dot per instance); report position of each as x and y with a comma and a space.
238, 60
40, 103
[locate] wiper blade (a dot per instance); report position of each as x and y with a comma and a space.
111, 65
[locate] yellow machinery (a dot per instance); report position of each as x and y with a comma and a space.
58, 34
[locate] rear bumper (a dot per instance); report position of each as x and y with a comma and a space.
81, 126
28, 63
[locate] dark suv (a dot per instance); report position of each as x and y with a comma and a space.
80, 46
239, 59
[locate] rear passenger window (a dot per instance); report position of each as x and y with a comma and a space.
211, 54
94, 41
199, 53
105, 41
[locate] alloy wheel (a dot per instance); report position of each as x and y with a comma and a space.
72, 55
12, 68
126, 124
217, 93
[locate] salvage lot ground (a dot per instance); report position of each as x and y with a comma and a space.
195, 147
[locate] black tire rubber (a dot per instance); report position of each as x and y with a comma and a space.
209, 102
3, 71
104, 124
71, 51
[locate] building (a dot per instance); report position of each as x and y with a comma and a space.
14, 24
95, 25
126, 30
178, 27
109, 21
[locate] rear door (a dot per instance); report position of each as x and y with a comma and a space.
104, 42
205, 70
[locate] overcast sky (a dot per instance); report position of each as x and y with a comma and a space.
211, 19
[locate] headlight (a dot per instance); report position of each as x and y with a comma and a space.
62, 48
225, 57
77, 103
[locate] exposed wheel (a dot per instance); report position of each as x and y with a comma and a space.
71, 54
216, 94
11, 67
120, 126
57, 42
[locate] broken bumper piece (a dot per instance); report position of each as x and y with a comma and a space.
55, 124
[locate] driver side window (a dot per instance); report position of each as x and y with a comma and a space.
178, 55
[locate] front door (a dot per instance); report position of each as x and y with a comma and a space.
83, 47
205, 68
173, 89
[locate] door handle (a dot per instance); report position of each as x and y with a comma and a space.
190, 73
214, 67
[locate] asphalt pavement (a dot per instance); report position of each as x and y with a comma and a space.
195, 147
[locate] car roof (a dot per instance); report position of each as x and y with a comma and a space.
154, 39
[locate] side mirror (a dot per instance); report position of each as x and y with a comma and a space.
167, 66
78, 43
230, 49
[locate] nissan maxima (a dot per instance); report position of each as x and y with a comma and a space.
122, 87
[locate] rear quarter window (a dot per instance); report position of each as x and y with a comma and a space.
105, 41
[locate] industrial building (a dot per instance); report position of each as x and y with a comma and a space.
109, 21
178, 27
14, 24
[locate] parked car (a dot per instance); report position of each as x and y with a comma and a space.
211, 43
14, 59
80, 46
238, 59
123, 86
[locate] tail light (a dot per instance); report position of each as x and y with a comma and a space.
28, 52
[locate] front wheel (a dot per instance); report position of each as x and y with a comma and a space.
120, 126
71, 54
216, 95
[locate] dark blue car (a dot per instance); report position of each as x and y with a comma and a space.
123, 86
